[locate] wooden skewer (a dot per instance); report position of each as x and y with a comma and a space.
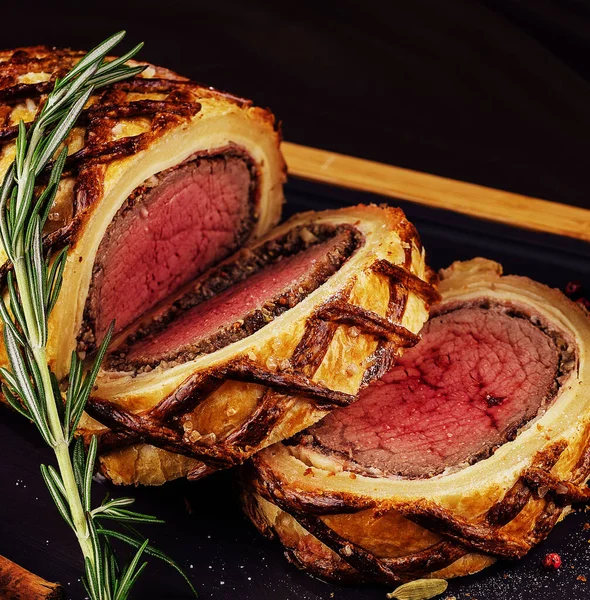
17, 583
439, 192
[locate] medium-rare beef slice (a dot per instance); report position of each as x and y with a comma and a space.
478, 374
233, 301
170, 230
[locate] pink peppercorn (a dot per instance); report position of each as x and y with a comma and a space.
552, 561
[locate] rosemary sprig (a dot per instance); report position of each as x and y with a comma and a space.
33, 287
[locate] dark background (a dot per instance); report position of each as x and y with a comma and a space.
491, 92
494, 93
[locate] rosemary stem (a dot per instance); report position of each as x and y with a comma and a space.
32, 289
64, 459
60, 446
66, 470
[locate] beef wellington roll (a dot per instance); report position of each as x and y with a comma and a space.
469, 449
164, 179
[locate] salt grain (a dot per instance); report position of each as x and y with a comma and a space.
194, 436
352, 369
117, 129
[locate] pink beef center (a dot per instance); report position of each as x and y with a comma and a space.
184, 225
475, 377
231, 305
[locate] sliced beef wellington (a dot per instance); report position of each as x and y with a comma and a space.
469, 449
260, 346
164, 179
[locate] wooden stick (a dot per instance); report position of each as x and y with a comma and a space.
17, 583
439, 192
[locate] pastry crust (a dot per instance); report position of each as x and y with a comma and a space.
128, 132
220, 408
345, 526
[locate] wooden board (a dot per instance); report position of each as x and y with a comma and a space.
470, 199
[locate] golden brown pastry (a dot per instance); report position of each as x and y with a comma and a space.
470, 449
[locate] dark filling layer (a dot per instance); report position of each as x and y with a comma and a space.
171, 229
479, 374
238, 298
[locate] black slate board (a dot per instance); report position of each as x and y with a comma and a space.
206, 532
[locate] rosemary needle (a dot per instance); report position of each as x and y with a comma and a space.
33, 286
